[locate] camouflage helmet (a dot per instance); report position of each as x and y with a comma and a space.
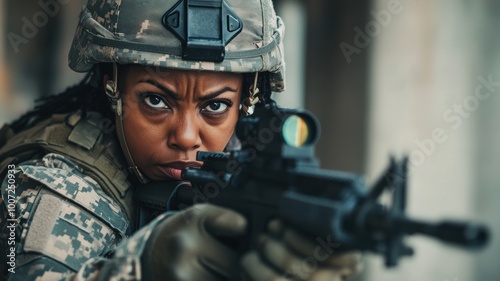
156, 33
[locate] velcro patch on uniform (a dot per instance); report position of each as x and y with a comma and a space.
73, 187
87, 131
64, 232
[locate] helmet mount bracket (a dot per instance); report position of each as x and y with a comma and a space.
204, 27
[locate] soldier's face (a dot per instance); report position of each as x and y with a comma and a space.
171, 116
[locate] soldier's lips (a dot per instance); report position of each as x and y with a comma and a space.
172, 173
173, 170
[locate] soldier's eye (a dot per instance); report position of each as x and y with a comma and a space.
154, 100
217, 106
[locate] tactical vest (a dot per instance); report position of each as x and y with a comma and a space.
89, 141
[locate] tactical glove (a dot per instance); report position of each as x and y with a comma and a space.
187, 245
287, 254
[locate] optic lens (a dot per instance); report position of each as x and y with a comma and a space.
295, 131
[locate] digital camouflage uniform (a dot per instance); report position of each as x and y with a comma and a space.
73, 201
67, 227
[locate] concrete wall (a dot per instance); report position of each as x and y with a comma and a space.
486, 158
428, 59
336, 85
293, 13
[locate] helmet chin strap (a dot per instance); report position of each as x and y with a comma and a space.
117, 106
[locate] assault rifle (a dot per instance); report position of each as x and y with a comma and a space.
275, 175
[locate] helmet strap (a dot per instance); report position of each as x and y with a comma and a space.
117, 106
249, 103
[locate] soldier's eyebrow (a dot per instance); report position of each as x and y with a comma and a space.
177, 97
167, 91
216, 93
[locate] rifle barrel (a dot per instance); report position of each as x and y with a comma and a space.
467, 235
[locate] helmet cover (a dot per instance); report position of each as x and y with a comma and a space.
134, 32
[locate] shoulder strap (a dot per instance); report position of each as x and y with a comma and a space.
88, 141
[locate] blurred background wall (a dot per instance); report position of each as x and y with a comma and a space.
385, 77
430, 98
36, 36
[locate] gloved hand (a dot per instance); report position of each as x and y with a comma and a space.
187, 245
287, 254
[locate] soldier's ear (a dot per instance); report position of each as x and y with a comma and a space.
111, 83
109, 86
105, 79
102, 75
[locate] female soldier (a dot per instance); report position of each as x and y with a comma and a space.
175, 75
